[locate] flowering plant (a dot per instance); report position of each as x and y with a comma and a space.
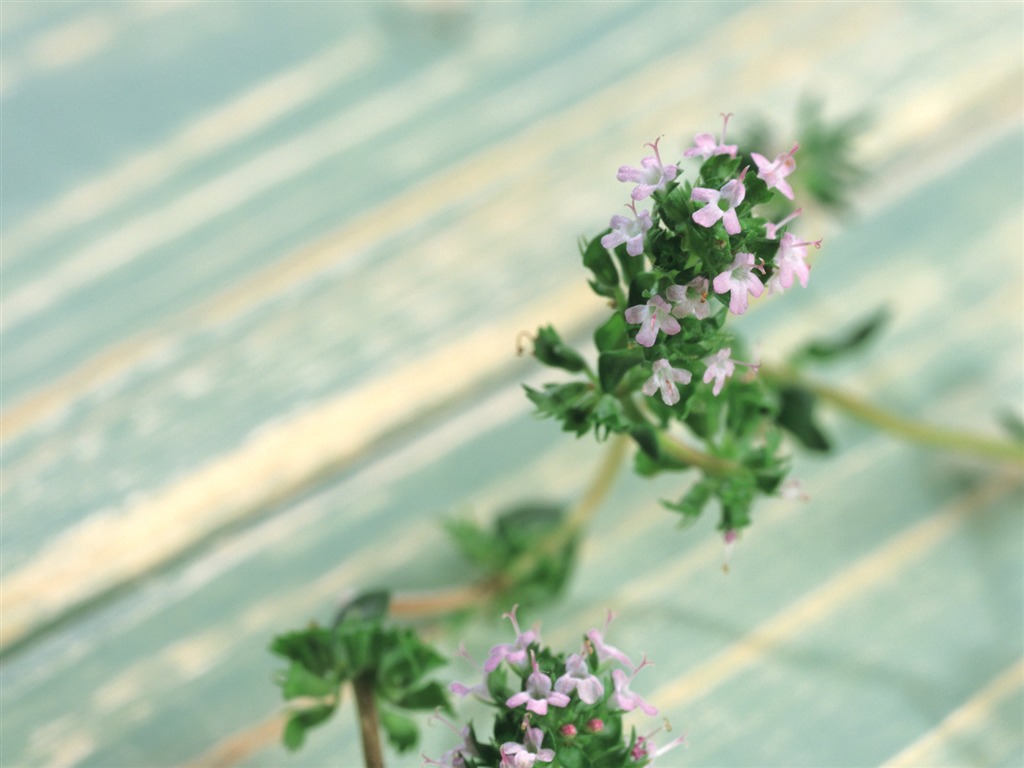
667, 363
670, 376
555, 708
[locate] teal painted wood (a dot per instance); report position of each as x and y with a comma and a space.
849, 629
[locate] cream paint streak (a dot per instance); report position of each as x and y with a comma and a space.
973, 716
232, 123
423, 201
872, 570
106, 550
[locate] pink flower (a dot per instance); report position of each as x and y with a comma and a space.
629, 231
605, 651
651, 176
739, 280
514, 653
627, 700
691, 298
654, 316
538, 694
664, 378
775, 173
771, 230
456, 756
731, 194
577, 678
705, 145
514, 755
720, 367
790, 260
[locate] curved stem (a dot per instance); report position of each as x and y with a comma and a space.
452, 599
914, 431
580, 515
693, 457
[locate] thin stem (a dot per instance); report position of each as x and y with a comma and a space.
580, 515
914, 431
453, 599
690, 456
369, 728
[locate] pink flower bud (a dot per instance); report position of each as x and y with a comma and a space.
568, 730
595, 725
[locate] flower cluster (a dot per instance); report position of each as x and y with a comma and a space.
674, 272
557, 709
750, 268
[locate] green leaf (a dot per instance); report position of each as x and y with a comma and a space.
692, 504
597, 259
612, 334
612, 366
372, 604
846, 343
796, 416
312, 648
299, 722
675, 210
570, 404
401, 731
299, 681
428, 696
736, 492
549, 348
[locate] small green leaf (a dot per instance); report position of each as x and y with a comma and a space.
597, 259
796, 416
372, 604
853, 340
612, 334
692, 504
612, 366
299, 722
401, 731
549, 348
299, 681
570, 404
312, 648
428, 696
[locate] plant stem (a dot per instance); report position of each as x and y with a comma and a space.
693, 457
453, 599
369, 729
580, 515
908, 429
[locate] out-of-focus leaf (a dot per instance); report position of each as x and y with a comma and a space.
821, 350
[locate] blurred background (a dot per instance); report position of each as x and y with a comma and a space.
263, 268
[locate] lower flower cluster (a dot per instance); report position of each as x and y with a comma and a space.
562, 710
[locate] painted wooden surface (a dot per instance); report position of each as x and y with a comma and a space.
263, 266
